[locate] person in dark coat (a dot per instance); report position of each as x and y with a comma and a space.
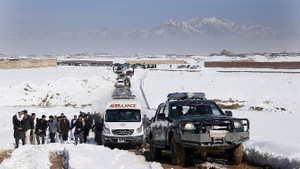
88, 125
40, 130
64, 126
98, 131
53, 128
79, 127
28, 126
18, 124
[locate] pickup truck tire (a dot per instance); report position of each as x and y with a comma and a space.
235, 155
155, 152
178, 155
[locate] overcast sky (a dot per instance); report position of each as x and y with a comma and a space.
44, 16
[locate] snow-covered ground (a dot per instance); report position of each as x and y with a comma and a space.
275, 135
52, 91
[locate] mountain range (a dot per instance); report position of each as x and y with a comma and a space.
203, 27
196, 35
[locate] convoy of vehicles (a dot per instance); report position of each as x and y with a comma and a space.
186, 124
122, 122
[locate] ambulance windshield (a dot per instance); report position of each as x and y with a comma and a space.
123, 115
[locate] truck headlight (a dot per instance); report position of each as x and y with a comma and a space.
189, 126
239, 126
140, 129
106, 130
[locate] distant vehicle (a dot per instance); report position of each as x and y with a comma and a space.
122, 76
188, 123
123, 123
130, 71
120, 83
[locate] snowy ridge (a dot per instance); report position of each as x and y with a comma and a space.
203, 27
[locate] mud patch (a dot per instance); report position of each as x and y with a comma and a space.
57, 160
256, 108
229, 104
5, 154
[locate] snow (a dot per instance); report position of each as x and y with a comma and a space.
274, 133
76, 86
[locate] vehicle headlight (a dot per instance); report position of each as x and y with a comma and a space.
106, 130
238, 124
189, 126
140, 129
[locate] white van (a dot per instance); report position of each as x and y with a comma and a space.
123, 123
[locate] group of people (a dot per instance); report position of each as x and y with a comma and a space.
31, 130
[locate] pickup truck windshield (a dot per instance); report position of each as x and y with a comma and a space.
123, 115
194, 108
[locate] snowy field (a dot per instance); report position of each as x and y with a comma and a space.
52, 91
274, 132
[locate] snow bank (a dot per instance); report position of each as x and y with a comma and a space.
82, 156
273, 154
61, 86
79, 157
30, 156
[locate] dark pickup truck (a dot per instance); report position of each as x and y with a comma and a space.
188, 123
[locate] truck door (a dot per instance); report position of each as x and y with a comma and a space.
162, 125
156, 124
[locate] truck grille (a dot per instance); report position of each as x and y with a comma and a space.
123, 131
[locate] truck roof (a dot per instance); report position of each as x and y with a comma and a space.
123, 104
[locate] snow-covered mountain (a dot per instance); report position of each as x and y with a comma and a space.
203, 27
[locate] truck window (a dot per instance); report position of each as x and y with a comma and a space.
123, 115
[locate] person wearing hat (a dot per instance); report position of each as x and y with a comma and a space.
18, 124
40, 130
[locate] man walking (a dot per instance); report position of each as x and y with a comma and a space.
28, 126
79, 127
87, 127
33, 135
71, 127
53, 128
64, 126
18, 124
40, 130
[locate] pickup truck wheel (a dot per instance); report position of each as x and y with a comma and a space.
155, 152
178, 155
235, 155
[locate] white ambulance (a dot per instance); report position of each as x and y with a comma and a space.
123, 123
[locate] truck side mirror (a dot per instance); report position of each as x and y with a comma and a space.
228, 113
